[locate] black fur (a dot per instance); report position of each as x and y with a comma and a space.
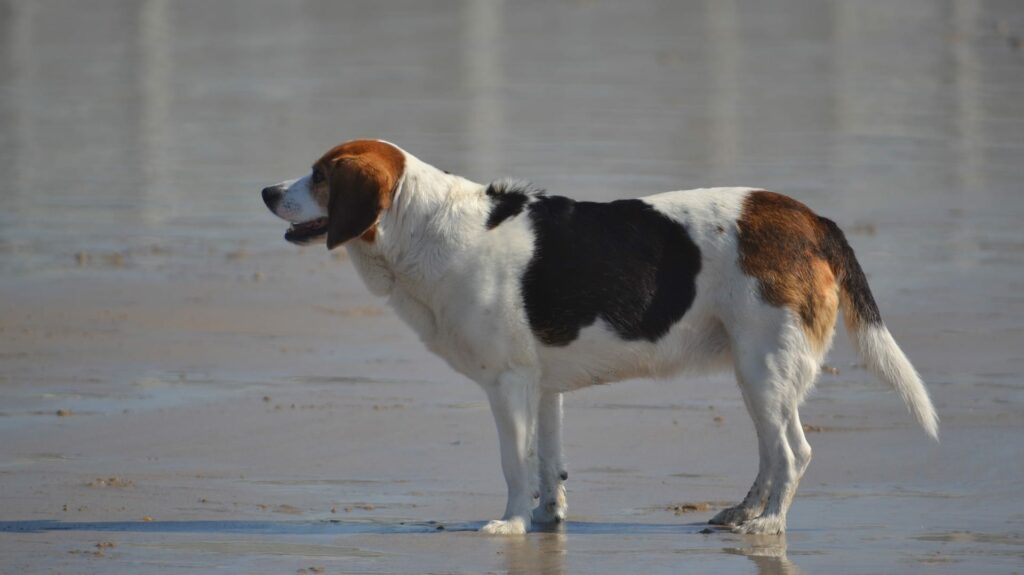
507, 201
842, 259
623, 261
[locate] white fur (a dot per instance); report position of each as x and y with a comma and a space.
297, 204
885, 359
457, 284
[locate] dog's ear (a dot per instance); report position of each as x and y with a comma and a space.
358, 191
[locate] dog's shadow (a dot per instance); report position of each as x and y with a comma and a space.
544, 551
248, 527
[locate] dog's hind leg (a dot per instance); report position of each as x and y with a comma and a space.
753, 503
553, 506
514, 402
777, 368
798, 443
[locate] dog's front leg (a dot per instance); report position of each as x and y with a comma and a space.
553, 506
514, 398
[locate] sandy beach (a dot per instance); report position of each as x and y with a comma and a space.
181, 391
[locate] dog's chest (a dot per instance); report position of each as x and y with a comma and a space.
446, 331
474, 320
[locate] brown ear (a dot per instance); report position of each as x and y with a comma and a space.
358, 192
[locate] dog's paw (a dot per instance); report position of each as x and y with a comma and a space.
513, 526
550, 512
763, 525
734, 515
553, 507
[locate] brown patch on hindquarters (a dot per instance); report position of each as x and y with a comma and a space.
781, 244
355, 182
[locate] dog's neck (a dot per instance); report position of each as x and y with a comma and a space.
423, 229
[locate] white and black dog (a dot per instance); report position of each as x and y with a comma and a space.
532, 295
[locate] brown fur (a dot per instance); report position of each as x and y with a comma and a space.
782, 244
855, 297
354, 182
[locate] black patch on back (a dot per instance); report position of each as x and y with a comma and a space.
623, 262
507, 200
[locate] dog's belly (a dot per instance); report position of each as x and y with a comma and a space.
599, 355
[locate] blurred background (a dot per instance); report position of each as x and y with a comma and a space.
120, 120
146, 291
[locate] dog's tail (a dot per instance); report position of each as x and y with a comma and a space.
869, 335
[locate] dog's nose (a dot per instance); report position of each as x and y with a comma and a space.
271, 196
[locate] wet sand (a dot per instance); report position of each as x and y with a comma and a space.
181, 391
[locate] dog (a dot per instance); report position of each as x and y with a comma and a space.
532, 295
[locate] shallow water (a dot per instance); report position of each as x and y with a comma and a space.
146, 291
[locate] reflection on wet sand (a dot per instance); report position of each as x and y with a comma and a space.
544, 551
535, 553
768, 553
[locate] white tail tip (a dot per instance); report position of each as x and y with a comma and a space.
886, 360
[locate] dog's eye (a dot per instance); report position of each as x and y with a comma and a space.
318, 176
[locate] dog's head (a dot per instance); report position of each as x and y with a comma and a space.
342, 197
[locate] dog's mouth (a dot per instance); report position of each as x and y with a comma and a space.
306, 231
